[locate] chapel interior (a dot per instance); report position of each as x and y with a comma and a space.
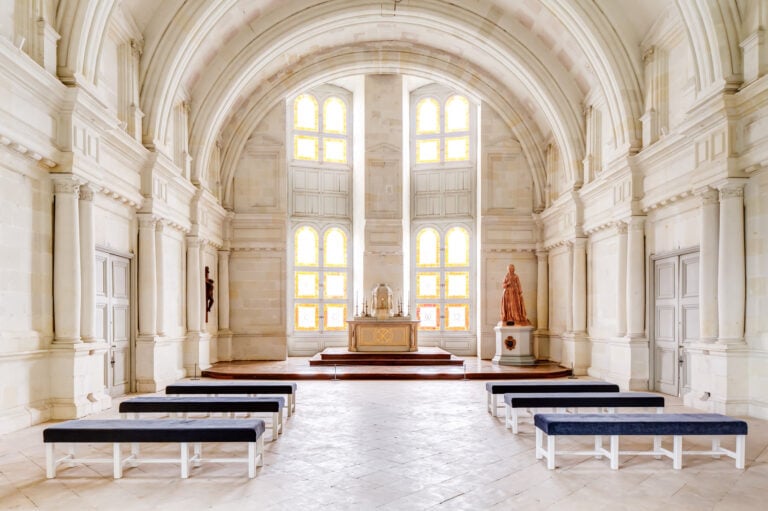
193, 182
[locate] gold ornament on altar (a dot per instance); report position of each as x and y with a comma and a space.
382, 302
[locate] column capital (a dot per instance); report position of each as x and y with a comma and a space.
578, 242
66, 184
193, 242
542, 255
621, 227
86, 192
731, 192
708, 195
160, 225
147, 221
635, 223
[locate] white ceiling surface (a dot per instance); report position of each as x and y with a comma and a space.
212, 34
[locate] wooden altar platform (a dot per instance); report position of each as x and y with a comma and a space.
298, 368
423, 356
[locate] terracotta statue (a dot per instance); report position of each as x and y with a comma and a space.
512, 305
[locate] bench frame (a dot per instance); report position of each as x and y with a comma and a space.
492, 398
613, 452
276, 421
290, 401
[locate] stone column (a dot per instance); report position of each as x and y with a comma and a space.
708, 255
223, 295
66, 260
731, 265
542, 290
193, 284
621, 279
147, 275
160, 279
579, 300
87, 259
569, 291
636, 277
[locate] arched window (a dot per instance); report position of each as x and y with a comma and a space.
442, 272
442, 134
320, 288
310, 143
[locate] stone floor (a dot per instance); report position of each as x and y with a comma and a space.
392, 445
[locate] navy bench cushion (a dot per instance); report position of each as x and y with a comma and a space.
155, 430
640, 424
550, 386
230, 388
583, 399
202, 404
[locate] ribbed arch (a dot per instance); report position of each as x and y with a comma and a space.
82, 25
713, 33
357, 61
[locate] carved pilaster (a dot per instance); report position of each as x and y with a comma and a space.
731, 275
66, 260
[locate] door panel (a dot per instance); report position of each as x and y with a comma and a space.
665, 317
676, 319
113, 319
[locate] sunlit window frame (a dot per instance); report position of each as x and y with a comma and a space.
443, 135
320, 135
419, 234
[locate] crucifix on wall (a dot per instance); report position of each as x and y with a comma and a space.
208, 293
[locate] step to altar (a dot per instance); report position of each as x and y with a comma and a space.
425, 356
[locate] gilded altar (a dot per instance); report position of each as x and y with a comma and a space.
394, 334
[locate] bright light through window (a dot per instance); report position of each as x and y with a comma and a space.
335, 248
334, 116
457, 149
305, 113
335, 150
427, 116
306, 247
427, 248
457, 247
457, 114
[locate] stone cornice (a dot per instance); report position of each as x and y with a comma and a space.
26, 152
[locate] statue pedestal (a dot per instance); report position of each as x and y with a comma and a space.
514, 346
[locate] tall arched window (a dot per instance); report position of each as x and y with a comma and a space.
442, 131
442, 270
320, 277
320, 134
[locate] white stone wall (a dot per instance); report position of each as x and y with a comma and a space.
26, 324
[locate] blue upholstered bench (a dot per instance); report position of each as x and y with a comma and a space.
494, 389
131, 408
181, 431
676, 425
246, 388
562, 400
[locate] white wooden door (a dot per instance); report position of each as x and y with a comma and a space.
113, 319
675, 320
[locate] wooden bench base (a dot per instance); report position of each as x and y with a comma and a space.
496, 389
135, 432
241, 387
655, 425
559, 402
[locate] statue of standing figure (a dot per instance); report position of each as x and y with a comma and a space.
512, 305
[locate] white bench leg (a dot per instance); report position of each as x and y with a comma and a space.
598, 446
251, 460
741, 441
677, 452
50, 463
716, 447
515, 421
197, 453
614, 452
657, 446
488, 401
275, 427
292, 406
184, 455
260, 451
117, 462
550, 452
495, 405
539, 447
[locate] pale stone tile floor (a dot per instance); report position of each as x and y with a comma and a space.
392, 445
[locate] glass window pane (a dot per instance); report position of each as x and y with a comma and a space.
305, 113
457, 284
335, 150
305, 148
306, 316
307, 284
335, 316
335, 285
306, 247
427, 116
457, 247
334, 116
457, 317
457, 149
427, 285
427, 151
335, 247
429, 315
427, 248
456, 114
